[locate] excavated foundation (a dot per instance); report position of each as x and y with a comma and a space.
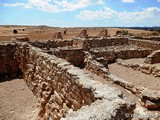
61, 76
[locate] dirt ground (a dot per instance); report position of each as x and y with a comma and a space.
135, 77
46, 33
17, 101
139, 61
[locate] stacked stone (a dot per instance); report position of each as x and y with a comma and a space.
95, 43
52, 43
57, 35
145, 68
60, 87
154, 57
8, 62
56, 90
112, 55
22, 39
103, 33
83, 34
154, 45
94, 66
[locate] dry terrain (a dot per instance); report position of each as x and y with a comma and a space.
78, 79
17, 102
46, 33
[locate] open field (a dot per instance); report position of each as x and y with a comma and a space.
46, 33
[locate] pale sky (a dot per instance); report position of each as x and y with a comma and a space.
81, 13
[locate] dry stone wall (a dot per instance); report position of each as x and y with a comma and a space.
57, 90
154, 45
68, 92
111, 55
60, 87
83, 34
57, 35
94, 66
145, 68
8, 62
150, 99
52, 43
103, 33
92, 43
153, 38
73, 55
154, 57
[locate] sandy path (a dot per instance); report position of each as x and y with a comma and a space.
17, 101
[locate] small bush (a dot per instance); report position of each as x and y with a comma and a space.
118, 32
155, 33
15, 31
121, 32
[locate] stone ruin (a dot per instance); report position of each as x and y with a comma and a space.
154, 57
72, 82
103, 33
57, 35
83, 34
20, 39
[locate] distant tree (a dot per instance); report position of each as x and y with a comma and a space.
23, 29
155, 33
15, 32
65, 32
122, 32
118, 32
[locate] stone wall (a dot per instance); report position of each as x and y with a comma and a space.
154, 57
52, 43
94, 66
145, 68
57, 35
153, 38
83, 34
103, 33
73, 55
57, 90
8, 62
92, 43
150, 99
61, 88
127, 54
154, 45
111, 55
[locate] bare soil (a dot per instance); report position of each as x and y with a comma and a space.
46, 33
140, 61
17, 101
135, 77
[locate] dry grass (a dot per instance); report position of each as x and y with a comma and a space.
46, 33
